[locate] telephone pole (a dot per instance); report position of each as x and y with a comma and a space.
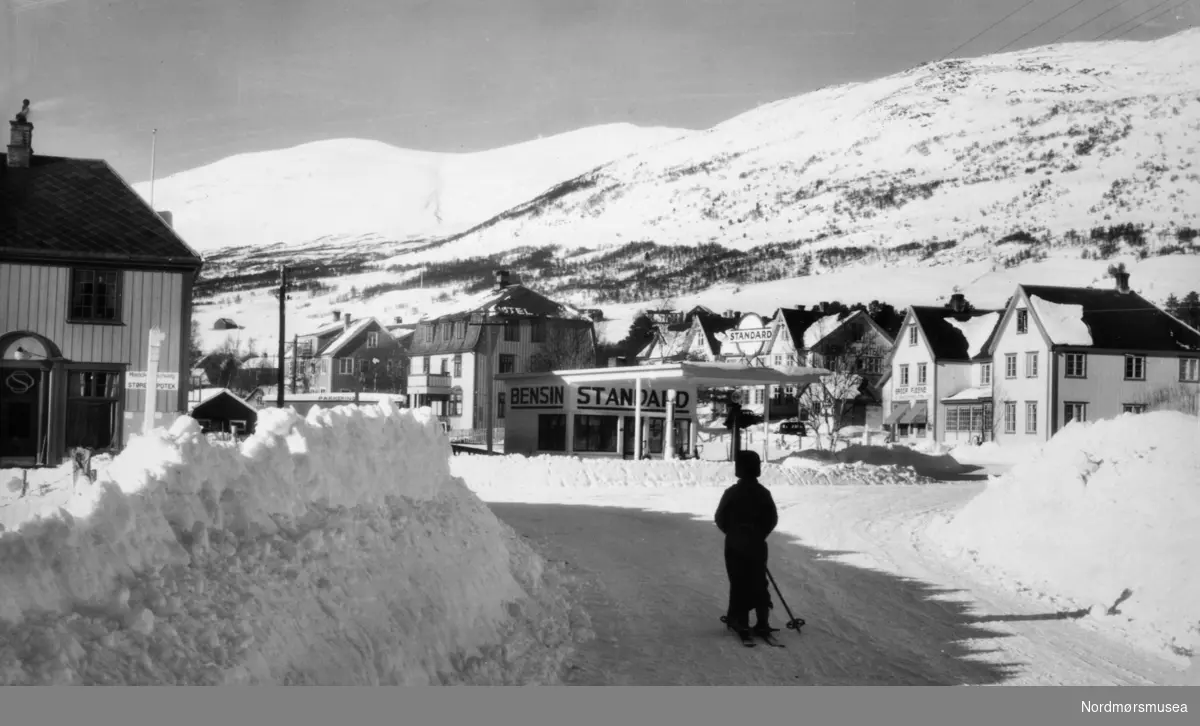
280, 380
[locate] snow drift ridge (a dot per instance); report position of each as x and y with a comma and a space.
330, 550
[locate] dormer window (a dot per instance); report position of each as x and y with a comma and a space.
1022, 322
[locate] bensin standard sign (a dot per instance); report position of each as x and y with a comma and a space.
594, 397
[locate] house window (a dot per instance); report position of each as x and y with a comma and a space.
1074, 412
95, 296
904, 375
1135, 367
779, 360
952, 418
445, 367
512, 331
922, 374
1031, 365
985, 374
500, 405
552, 432
456, 402
1076, 365
373, 340
346, 366
1031, 417
537, 331
387, 365
1022, 322
93, 409
447, 331
595, 433
1010, 365
791, 360
1189, 369
508, 363
1133, 408
912, 335
1010, 417
425, 364
458, 365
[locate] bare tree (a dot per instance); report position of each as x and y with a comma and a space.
565, 348
826, 403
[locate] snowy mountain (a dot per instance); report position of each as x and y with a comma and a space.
1040, 166
348, 187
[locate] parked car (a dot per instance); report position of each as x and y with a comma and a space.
793, 428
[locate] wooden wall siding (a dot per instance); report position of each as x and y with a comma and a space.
35, 298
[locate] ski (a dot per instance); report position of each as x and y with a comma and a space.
770, 640
746, 638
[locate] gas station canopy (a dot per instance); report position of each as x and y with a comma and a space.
710, 375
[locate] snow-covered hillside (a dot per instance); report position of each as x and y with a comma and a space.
1046, 140
348, 187
976, 174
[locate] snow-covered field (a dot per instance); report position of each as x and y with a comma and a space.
336, 549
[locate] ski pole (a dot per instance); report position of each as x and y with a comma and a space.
794, 623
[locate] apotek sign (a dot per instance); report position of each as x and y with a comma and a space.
164, 381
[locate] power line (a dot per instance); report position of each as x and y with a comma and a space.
1042, 25
1001, 20
1089, 20
1155, 17
1135, 17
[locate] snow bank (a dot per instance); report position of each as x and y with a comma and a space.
1104, 515
333, 549
1063, 323
518, 472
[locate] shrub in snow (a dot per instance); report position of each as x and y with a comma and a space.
1102, 508
332, 549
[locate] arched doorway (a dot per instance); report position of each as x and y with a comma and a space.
30, 371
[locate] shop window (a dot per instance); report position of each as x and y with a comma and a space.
595, 433
552, 432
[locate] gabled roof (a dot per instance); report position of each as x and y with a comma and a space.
1119, 320
80, 209
513, 301
336, 345
800, 320
946, 341
712, 325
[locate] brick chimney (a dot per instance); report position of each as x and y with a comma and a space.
346, 321
958, 302
1122, 280
337, 315
20, 142
501, 279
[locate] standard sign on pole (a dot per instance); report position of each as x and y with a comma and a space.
165, 381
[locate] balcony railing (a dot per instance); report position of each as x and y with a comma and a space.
429, 383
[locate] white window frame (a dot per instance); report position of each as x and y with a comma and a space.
912, 334
1081, 365
1010, 417
1138, 361
1010, 365
1022, 321
922, 374
1189, 370
1031, 422
1031, 364
904, 375
345, 366
373, 339
1133, 408
1074, 411
985, 374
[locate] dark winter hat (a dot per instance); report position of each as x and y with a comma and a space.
747, 465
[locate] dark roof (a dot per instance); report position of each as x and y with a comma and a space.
74, 209
799, 320
514, 302
945, 340
1122, 320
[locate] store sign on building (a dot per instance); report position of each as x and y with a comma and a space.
536, 396
751, 336
903, 393
612, 398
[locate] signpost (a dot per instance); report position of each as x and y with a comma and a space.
151, 405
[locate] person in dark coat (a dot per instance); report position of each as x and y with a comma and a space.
746, 515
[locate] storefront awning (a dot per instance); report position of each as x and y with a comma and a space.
918, 415
898, 410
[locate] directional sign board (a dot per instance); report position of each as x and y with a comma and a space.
165, 381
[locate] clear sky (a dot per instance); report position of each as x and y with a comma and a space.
220, 77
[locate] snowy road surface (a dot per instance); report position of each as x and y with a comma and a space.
882, 607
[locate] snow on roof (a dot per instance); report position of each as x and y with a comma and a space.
821, 329
207, 394
970, 394
349, 334
976, 330
1063, 323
